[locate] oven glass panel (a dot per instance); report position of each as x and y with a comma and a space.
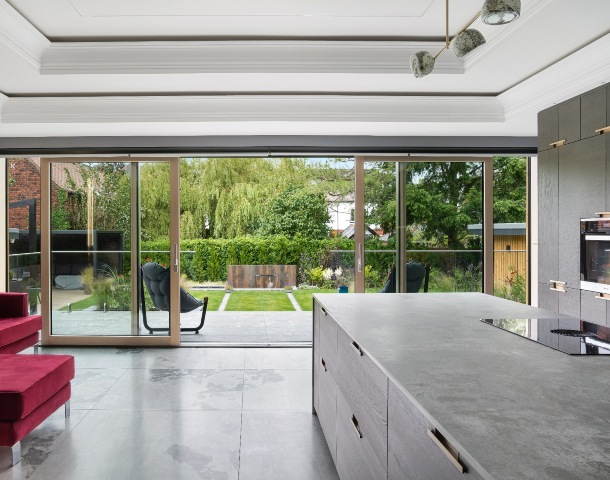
597, 258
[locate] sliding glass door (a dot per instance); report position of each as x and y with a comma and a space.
435, 212
92, 225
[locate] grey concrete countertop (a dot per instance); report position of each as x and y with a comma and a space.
514, 408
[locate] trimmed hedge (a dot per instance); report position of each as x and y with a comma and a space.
212, 256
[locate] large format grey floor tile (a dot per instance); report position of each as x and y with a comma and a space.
278, 358
91, 384
39, 444
277, 390
148, 445
175, 389
284, 445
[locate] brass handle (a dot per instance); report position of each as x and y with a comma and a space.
558, 143
324, 311
601, 131
440, 443
603, 296
357, 348
356, 426
557, 286
323, 363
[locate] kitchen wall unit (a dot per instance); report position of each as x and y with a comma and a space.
574, 183
416, 386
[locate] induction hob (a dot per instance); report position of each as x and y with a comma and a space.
568, 335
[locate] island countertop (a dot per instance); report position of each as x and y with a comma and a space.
517, 409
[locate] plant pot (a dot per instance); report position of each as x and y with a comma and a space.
87, 289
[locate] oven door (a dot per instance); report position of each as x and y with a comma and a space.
595, 263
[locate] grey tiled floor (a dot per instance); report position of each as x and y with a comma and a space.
187, 413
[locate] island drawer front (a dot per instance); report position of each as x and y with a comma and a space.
412, 453
328, 342
315, 359
327, 411
356, 458
365, 388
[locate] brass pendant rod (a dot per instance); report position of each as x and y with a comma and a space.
447, 41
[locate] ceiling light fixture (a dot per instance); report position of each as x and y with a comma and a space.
494, 12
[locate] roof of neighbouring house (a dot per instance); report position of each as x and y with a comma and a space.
350, 232
66, 176
500, 229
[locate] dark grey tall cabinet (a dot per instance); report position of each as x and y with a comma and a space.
573, 183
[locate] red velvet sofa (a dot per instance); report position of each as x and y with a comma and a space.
18, 329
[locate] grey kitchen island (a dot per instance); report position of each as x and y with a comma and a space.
415, 386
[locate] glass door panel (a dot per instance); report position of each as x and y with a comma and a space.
97, 225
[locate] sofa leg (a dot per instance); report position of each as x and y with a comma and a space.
67, 408
36, 349
16, 453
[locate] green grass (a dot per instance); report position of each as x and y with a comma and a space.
261, 301
303, 297
214, 297
80, 305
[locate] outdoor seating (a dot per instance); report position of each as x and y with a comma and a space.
156, 279
417, 273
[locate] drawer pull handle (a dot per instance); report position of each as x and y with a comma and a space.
323, 363
558, 286
603, 296
357, 348
558, 143
601, 131
324, 311
451, 454
356, 426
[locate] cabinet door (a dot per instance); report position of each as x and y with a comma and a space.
547, 298
412, 453
365, 388
548, 130
592, 112
592, 309
569, 302
569, 120
582, 186
328, 342
356, 458
327, 409
548, 210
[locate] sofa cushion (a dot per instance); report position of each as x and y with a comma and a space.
14, 329
20, 345
13, 304
27, 381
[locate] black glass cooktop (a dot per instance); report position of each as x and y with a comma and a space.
571, 336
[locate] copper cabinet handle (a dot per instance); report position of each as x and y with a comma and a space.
453, 457
324, 311
558, 143
323, 363
357, 348
601, 131
557, 286
356, 426
603, 296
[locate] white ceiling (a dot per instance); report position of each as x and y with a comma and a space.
321, 67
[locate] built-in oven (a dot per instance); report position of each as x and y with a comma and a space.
595, 254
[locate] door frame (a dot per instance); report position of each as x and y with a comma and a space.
171, 340
359, 224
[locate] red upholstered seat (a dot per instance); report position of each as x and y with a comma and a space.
17, 328
27, 381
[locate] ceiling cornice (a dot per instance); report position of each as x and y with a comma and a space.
560, 81
21, 36
242, 108
277, 56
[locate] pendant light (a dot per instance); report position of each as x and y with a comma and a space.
500, 12
494, 12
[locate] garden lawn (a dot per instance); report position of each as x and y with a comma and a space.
80, 304
303, 297
214, 297
257, 300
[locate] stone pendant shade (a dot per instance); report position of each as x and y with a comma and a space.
499, 12
466, 41
422, 63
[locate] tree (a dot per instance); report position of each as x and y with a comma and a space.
296, 212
